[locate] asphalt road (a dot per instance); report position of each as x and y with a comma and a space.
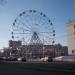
36, 68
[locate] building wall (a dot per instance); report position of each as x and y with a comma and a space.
16, 48
14, 44
60, 50
71, 37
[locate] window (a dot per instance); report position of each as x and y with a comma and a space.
73, 51
74, 26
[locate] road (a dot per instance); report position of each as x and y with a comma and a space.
36, 68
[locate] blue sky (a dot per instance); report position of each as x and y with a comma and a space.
59, 12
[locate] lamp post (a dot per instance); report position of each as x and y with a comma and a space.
43, 47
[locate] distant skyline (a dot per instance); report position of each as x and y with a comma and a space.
59, 12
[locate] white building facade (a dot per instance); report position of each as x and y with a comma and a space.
71, 37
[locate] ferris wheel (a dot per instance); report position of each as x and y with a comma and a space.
33, 27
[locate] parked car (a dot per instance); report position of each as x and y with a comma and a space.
50, 59
21, 59
11, 59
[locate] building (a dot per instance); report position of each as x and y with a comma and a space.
37, 50
60, 50
16, 49
71, 37
14, 44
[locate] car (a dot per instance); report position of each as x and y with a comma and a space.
24, 59
21, 59
2, 58
11, 59
50, 59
